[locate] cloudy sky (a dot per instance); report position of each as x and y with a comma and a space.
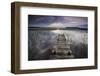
57, 21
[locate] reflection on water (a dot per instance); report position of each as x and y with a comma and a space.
40, 41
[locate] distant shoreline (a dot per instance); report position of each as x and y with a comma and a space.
56, 28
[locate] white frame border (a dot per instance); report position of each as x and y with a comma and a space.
25, 64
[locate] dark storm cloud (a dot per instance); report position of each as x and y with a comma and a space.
57, 21
40, 19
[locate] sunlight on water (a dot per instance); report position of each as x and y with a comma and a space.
57, 31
